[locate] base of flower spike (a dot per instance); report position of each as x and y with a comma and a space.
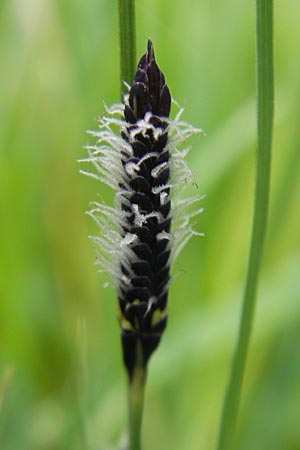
137, 345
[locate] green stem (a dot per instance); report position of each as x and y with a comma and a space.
127, 42
136, 403
265, 106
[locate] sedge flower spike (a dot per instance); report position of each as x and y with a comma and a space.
150, 222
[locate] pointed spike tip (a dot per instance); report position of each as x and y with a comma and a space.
149, 92
150, 51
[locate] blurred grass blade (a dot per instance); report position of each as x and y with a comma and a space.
127, 42
5, 382
265, 105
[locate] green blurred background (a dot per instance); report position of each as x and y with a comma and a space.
62, 384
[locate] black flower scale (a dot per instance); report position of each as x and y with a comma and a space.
145, 204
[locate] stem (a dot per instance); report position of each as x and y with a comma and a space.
265, 104
136, 391
127, 42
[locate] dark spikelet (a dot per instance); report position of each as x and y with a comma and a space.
146, 205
